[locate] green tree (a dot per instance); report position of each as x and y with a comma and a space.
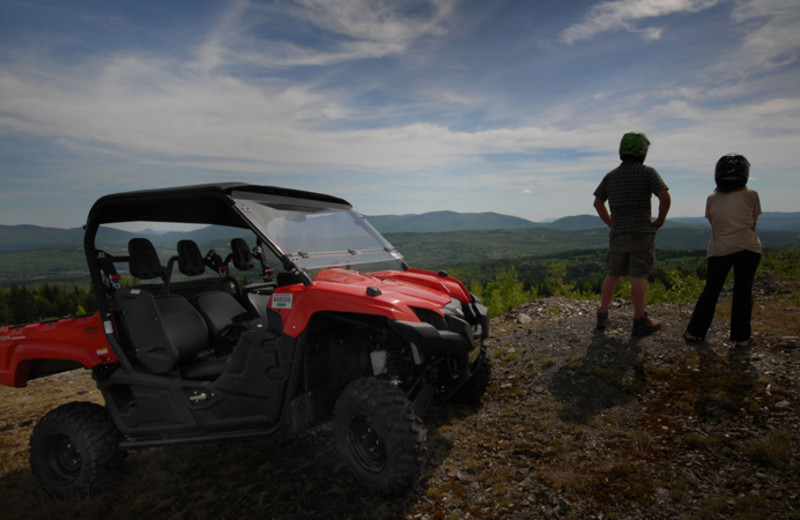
554, 283
503, 292
5, 310
22, 304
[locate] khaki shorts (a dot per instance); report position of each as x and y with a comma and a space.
631, 254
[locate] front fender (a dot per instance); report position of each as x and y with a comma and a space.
298, 303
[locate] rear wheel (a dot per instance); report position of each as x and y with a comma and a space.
74, 450
379, 435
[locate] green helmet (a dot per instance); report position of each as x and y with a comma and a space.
634, 146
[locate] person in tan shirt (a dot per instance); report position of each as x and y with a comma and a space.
733, 210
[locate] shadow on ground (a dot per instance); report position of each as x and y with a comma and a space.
296, 479
609, 374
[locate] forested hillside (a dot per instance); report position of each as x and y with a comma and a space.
43, 271
26, 237
502, 284
21, 304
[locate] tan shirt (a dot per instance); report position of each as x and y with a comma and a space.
733, 222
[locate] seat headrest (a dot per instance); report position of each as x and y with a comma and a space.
242, 257
143, 260
190, 259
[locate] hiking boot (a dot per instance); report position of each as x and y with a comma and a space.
644, 325
689, 338
602, 320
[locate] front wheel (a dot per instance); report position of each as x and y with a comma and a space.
379, 435
75, 450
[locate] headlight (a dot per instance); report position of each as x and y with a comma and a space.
430, 317
437, 320
453, 308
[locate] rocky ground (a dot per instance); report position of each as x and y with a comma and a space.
575, 424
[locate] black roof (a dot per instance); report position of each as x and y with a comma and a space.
200, 204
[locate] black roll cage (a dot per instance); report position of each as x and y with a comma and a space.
209, 204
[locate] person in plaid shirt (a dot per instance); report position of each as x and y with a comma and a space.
631, 252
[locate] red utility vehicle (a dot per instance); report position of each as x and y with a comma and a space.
185, 351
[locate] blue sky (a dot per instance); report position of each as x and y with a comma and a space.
515, 106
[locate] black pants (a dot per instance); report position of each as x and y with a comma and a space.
744, 265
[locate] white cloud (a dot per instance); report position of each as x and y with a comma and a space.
393, 21
156, 118
618, 15
358, 29
158, 112
775, 41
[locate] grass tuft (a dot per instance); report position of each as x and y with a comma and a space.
774, 450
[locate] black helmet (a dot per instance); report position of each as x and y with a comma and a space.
732, 172
633, 146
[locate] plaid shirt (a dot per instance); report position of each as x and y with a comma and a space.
628, 189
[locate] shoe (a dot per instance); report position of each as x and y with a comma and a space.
688, 338
744, 344
602, 320
644, 325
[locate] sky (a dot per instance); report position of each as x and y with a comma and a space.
398, 106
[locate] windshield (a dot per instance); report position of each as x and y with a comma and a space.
315, 234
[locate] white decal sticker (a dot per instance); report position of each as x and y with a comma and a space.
282, 301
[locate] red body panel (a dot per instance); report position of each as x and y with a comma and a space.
78, 339
443, 284
341, 290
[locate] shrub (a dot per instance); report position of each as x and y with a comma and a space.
774, 450
503, 293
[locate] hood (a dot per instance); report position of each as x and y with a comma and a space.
438, 282
404, 289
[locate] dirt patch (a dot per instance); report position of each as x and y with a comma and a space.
575, 424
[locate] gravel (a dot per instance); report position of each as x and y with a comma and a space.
575, 424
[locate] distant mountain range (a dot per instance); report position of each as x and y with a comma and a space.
16, 238
29, 237
444, 221
31, 255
